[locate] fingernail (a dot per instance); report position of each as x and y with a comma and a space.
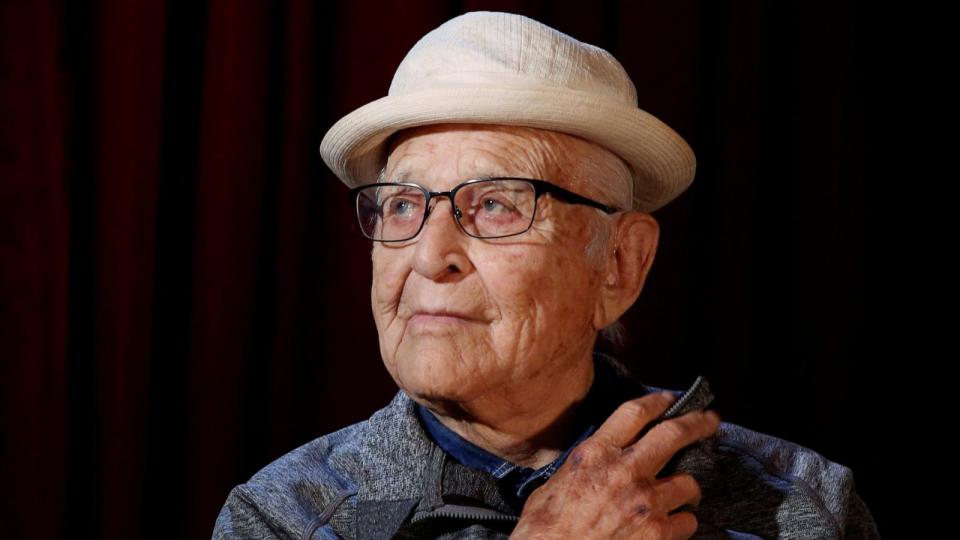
668, 394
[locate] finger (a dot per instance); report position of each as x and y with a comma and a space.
677, 490
622, 427
682, 525
652, 452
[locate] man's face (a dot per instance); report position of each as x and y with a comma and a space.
525, 303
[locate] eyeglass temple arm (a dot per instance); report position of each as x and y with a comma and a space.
569, 196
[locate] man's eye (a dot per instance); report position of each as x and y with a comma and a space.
493, 205
400, 207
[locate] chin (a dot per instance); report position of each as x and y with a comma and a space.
442, 387
448, 402
435, 378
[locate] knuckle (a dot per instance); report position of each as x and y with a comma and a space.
619, 476
683, 480
683, 485
659, 526
662, 398
636, 408
644, 489
673, 429
706, 424
586, 452
646, 403
701, 422
647, 496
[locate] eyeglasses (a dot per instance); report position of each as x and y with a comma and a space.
482, 207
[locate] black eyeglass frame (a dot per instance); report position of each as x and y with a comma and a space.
539, 186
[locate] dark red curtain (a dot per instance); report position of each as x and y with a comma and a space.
184, 299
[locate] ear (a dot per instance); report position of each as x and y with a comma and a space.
632, 249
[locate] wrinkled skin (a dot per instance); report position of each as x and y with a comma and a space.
608, 487
507, 363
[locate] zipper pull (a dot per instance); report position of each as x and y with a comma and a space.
696, 398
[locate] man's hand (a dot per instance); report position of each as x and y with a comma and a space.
607, 487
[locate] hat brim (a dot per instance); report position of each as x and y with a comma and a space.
662, 162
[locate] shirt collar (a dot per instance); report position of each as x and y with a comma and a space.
519, 479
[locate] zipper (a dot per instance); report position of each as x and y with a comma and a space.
458, 511
697, 397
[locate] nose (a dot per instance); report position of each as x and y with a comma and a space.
441, 247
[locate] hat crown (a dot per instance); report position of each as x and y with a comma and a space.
507, 49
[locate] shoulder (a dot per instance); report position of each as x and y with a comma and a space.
303, 488
767, 485
755, 484
283, 498
786, 463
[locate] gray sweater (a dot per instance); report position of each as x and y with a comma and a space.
386, 478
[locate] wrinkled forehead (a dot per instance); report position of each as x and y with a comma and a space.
455, 152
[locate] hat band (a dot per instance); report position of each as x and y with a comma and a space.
504, 80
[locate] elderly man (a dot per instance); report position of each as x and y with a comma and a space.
506, 182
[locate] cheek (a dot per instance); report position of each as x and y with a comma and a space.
578, 276
515, 279
387, 284
572, 285
549, 281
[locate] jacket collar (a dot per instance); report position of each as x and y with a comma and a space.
408, 471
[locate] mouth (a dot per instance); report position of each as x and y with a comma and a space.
440, 318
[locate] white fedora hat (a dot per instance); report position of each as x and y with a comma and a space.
503, 68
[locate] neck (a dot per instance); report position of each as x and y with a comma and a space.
529, 424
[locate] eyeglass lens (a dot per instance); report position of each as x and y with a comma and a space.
488, 209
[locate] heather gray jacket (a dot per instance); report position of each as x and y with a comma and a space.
385, 478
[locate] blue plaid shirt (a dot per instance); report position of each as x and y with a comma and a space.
517, 480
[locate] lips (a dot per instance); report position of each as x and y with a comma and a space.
445, 313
